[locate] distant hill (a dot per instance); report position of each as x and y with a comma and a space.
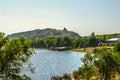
48, 32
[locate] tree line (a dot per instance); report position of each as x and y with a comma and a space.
80, 42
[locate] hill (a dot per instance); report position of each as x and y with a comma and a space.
48, 32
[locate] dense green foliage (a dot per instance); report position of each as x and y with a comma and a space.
103, 64
117, 47
64, 77
51, 42
42, 33
13, 53
79, 42
90, 41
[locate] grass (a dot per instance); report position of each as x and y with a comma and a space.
88, 49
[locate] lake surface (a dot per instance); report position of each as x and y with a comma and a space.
49, 63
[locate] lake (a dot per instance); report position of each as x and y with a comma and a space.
49, 63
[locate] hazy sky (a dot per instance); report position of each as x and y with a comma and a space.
81, 16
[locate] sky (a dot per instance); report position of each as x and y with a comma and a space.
81, 16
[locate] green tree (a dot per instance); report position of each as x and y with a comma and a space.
58, 41
87, 70
92, 40
104, 64
13, 53
67, 41
107, 63
117, 47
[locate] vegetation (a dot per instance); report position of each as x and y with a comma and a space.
13, 53
51, 42
35, 34
64, 77
80, 42
46, 38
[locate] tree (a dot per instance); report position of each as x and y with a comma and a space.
93, 34
107, 63
117, 47
58, 41
104, 38
13, 53
67, 41
92, 40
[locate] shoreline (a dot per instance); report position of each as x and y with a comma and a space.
87, 50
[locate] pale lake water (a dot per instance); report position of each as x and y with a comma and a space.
49, 63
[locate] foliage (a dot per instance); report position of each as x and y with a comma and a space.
74, 42
117, 47
13, 53
78, 74
65, 41
107, 62
103, 64
64, 77
48, 32
93, 40
52, 42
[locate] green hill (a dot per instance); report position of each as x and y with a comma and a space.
48, 32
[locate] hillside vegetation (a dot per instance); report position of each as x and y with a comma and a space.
42, 33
